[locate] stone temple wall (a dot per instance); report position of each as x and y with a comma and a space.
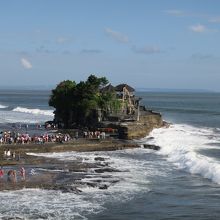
141, 128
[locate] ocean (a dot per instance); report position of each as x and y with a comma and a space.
19, 108
181, 181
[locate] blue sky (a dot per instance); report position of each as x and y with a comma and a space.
145, 43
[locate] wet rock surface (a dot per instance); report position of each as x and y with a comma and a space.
107, 169
65, 176
99, 159
151, 146
66, 189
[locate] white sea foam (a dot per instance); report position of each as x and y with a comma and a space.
42, 204
3, 106
134, 170
182, 143
137, 171
25, 115
22, 117
34, 111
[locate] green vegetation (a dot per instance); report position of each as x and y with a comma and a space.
84, 103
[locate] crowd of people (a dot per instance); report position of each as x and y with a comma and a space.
8, 137
7, 155
12, 174
11, 137
21, 136
94, 134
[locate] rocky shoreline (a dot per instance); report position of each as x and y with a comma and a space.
71, 176
54, 174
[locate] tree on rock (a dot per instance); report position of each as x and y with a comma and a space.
62, 99
77, 104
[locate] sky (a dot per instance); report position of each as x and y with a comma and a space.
145, 43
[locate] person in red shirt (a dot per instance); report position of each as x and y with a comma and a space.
1, 173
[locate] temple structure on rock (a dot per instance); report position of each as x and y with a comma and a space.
129, 103
120, 110
132, 120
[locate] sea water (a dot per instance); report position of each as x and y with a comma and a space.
181, 181
19, 108
24, 106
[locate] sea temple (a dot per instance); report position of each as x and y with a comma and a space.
132, 120
117, 108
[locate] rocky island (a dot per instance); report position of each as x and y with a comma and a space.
95, 104
115, 113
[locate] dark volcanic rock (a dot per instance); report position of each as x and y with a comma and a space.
66, 189
150, 138
91, 184
151, 146
103, 186
99, 159
107, 169
11, 218
64, 176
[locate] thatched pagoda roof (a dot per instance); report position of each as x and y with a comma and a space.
108, 88
119, 88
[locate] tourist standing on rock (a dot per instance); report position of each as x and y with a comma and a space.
102, 135
8, 153
18, 156
12, 177
13, 155
1, 173
22, 172
76, 135
5, 153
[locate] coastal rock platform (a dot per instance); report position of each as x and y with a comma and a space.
65, 176
148, 120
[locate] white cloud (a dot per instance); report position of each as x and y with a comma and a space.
146, 50
200, 56
26, 63
37, 31
175, 12
63, 40
116, 35
201, 29
214, 20
198, 28
179, 13
91, 51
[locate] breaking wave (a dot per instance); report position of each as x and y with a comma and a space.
183, 144
34, 111
3, 106
45, 205
133, 178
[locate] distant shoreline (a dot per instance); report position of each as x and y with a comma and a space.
138, 89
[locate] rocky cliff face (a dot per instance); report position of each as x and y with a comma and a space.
139, 129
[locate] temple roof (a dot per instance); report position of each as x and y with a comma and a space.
108, 88
119, 88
